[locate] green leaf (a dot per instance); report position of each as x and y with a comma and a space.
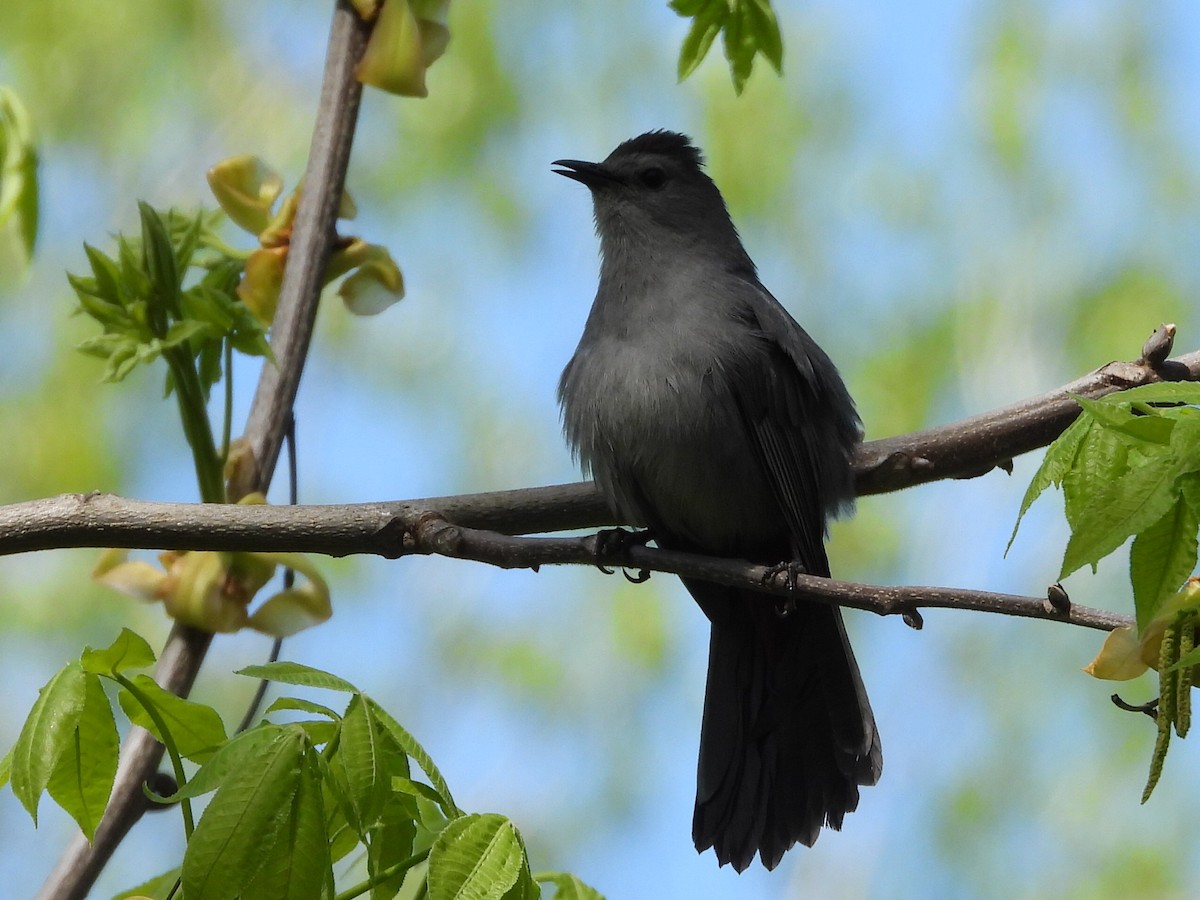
1119, 509
107, 276
1161, 559
159, 264
196, 728
157, 888
1102, 460
6, 767
48, 733
739, 46
83, 779
296, 703
418, 755
360, 754
129, 651
696, 44
481, 857
245, 820
1058, 461
296, 673
390, 842
568, 886
760, 17
297, 865
242, 751
1120, 418
1159, 392
691, 8
18, 188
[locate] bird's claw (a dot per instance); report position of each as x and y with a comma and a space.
611, 541
785, 606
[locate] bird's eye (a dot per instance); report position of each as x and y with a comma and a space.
653, 177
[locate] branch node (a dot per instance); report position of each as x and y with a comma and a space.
1057, 600
1158, 346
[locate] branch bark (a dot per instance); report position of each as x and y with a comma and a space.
312, 236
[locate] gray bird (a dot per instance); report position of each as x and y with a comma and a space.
706, 414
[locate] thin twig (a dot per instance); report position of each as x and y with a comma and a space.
81, 863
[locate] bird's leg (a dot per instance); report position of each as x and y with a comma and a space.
785, 606
611, 541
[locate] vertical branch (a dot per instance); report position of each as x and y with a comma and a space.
312, 238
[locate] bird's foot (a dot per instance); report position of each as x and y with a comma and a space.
785, 606
613, 541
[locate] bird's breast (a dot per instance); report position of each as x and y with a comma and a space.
663, 437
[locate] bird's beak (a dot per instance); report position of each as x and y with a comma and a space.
587, 173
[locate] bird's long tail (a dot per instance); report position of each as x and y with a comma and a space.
788, 735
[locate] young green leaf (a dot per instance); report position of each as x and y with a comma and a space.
245, 820
157, 888
300, 705
478, 856
762, 22
567, 886
1117, 510
1161, 559
705, 28
1058, 461
83, 778
297, 673
242, 751
47, 734
297, 866
196, 729
418, 755
129, 651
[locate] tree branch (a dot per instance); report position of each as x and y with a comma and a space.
312, 236
957, 450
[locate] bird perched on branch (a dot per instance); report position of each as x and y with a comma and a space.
706, 414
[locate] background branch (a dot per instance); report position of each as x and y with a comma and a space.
312, 236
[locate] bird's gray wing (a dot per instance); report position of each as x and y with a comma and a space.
800, 420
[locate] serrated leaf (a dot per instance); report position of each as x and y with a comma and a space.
242, 751
129, 651
413, 748
1121, 419
390, 842
361, 756
1102, 460
1161, 559
1058, 461
48, 732
1117, 510
196, 729
244, 821
297, 865
83, 779
297, 673
476, 857
568, 886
